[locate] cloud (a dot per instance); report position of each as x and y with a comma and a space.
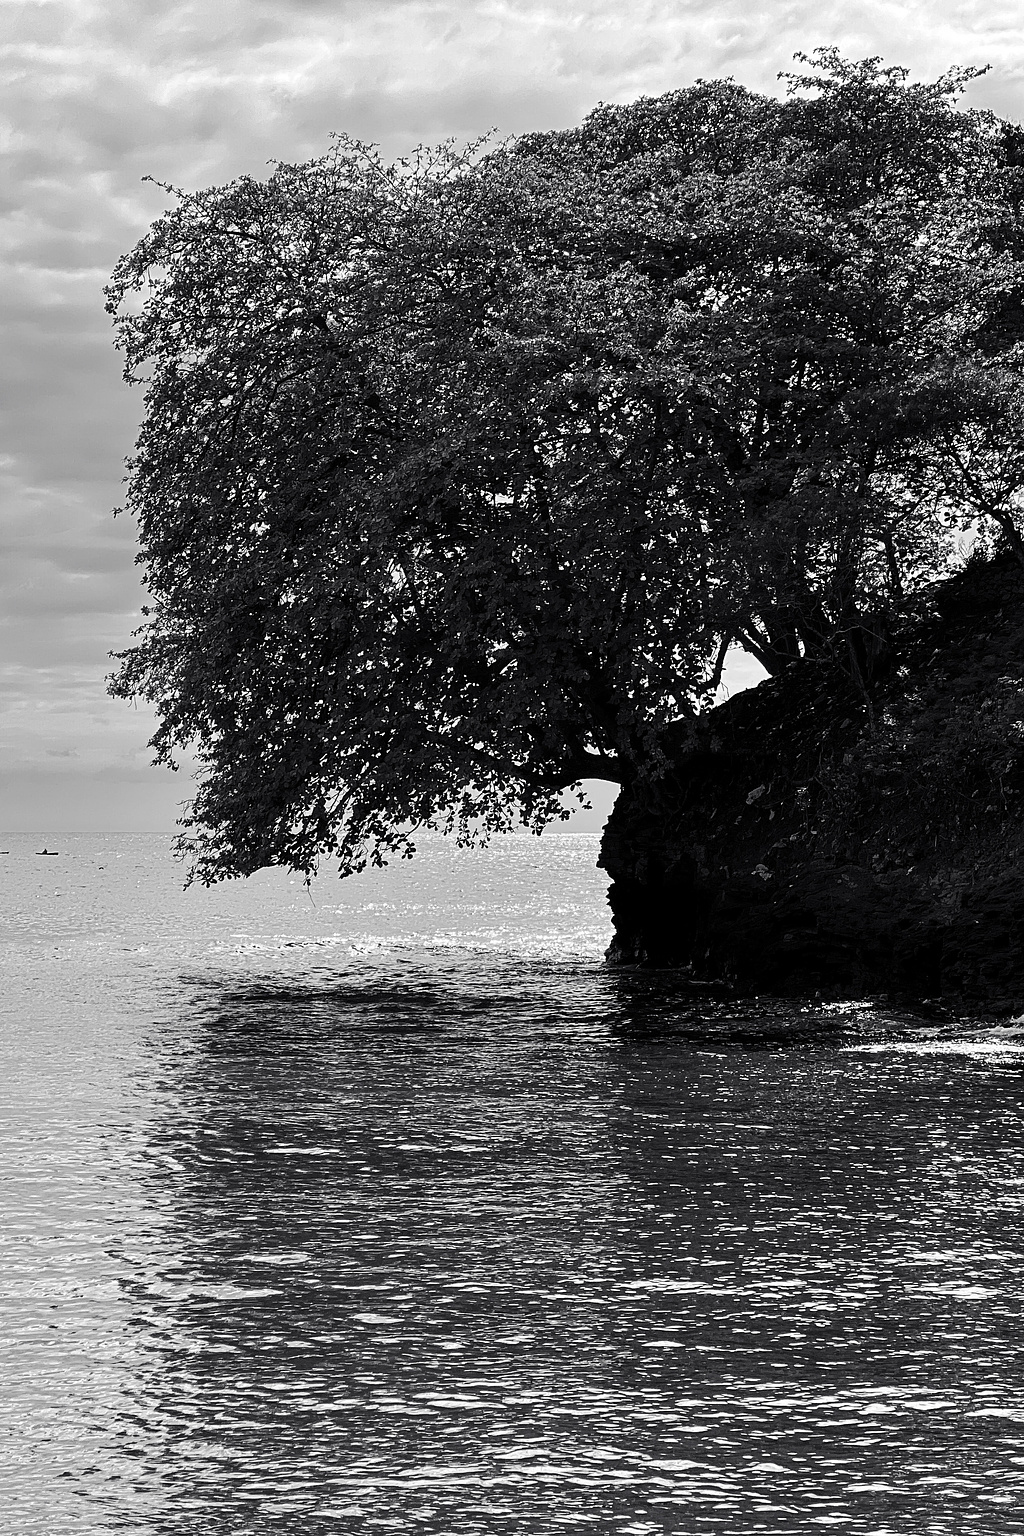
99, 93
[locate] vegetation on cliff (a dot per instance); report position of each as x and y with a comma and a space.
458, 477
803, 844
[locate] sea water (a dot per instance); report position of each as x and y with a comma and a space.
386, 1206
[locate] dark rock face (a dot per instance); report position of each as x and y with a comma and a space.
803, 843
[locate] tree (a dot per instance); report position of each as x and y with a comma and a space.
459, 476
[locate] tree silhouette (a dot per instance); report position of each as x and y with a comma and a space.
459, 476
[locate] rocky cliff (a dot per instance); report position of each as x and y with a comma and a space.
806, 842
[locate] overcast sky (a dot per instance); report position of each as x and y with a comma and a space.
98, 95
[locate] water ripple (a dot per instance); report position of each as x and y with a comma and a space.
311, 1234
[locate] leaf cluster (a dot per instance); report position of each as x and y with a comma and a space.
458, 476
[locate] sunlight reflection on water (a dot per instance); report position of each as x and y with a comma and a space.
436, 1225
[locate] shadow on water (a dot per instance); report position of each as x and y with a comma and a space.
452, 1245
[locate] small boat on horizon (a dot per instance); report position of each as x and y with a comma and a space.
47, 853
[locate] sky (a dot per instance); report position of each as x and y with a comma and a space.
97, 96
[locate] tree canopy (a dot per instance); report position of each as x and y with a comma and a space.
459, 475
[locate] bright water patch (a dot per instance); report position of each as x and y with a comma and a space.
399, 1212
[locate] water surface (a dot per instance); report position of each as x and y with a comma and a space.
392, 1209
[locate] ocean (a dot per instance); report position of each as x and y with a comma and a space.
386, 1206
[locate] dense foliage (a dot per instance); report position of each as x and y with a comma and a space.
458, 476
